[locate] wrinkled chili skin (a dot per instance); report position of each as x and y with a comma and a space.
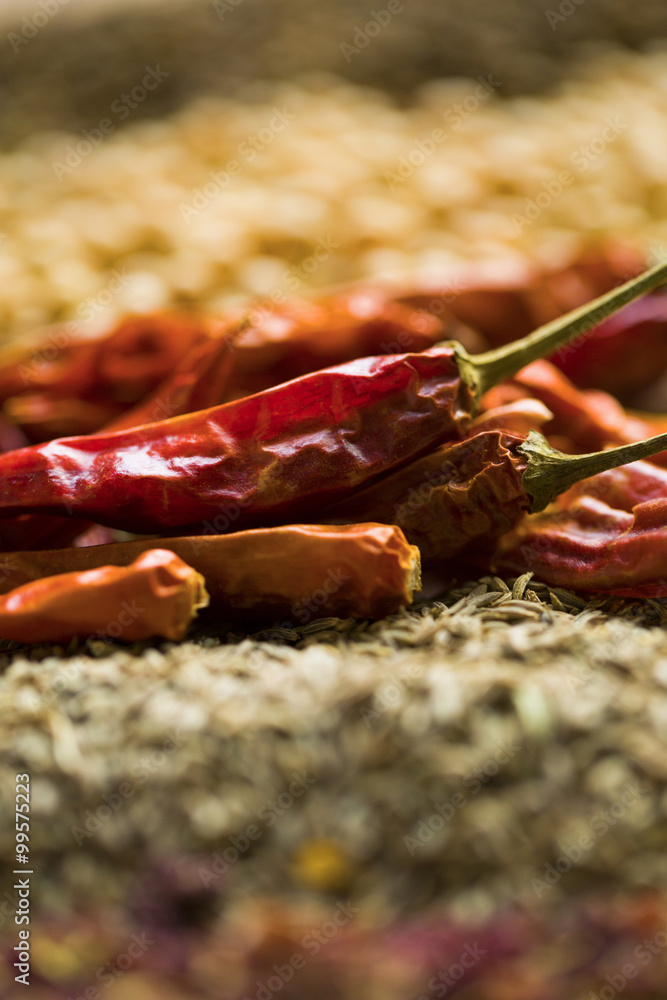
270, 456
461, 497
198, 382
608, 533
296, 572
157, 595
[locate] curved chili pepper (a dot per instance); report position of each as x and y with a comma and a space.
299, 570
157, 595
273, 455
466, 495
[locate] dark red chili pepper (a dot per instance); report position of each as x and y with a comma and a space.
275, 455
464, 496
609, 533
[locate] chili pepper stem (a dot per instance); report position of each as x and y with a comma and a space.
483, 371
551, 472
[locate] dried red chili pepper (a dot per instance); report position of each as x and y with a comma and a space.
290, 339
466, 495
157, 595
49, 384
505, 302
624, 354
297, 571
272, 456
198, 382
607, 534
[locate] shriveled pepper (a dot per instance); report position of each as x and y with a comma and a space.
64, 385
297, 571
607, 534
464, 496
273, 456
156, 595
199, 381
286, 340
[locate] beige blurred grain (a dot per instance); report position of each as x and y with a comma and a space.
118, 232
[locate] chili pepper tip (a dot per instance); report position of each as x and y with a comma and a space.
551, 472
482, 371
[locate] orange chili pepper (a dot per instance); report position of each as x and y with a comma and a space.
157, 595
297, 571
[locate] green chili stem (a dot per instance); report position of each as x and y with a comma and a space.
551, 472
485, 370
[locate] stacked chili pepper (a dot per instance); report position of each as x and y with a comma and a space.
383, 446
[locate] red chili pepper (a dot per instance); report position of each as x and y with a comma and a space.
290, 339
274, 455
100, 377
607, 534
503, 303
198, 382
464, 496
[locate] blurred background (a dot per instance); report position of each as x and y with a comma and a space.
414, 135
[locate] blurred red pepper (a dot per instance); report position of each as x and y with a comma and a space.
504, 301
